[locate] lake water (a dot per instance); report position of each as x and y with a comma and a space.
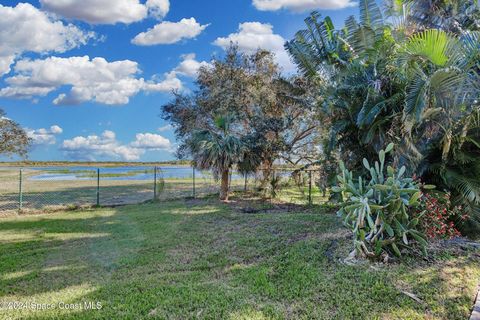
117, 173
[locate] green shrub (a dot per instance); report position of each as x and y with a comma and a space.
276, 185
377, 209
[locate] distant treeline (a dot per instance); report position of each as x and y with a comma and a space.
28, 163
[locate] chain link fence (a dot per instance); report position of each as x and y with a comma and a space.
53, 188
303, 187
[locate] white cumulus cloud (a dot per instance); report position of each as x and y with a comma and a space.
164, 128
301, 5
56, 129
252, 36
168, 83
106, 146
24, 28
151, 141
44, 136
96, 79
158, 8
169, 32
189, 66
107, 11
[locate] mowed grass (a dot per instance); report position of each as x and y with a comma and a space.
205, 260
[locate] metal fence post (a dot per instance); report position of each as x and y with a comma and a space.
245, 185
310, 187
155, 183
193, 189
98, 187
20, 190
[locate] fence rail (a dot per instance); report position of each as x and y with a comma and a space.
43, 189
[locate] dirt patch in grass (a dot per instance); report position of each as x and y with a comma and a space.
255, 206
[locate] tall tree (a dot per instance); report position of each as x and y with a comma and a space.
273, 115
13, 139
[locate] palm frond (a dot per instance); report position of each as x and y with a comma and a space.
317, 45
216, 150
434, 45
370, 112
416, 95
362, 39
302, 56
467, 186
370, 14
444, 83
471, 46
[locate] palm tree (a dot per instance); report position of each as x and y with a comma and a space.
442, 87
388, 81
217, 149
454, 16
360, 85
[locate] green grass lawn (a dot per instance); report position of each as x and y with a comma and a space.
202, 259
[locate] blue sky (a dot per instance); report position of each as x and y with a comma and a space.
106, 106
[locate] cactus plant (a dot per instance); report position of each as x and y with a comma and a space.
377, 208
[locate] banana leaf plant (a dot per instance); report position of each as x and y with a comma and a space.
377, 208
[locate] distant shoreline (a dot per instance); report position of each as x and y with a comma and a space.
106, 164
181, 163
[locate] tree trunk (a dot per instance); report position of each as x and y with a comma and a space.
224, 185
266, 175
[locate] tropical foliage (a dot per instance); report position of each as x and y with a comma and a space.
398, 76
456, 16
217, 150
406, 73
